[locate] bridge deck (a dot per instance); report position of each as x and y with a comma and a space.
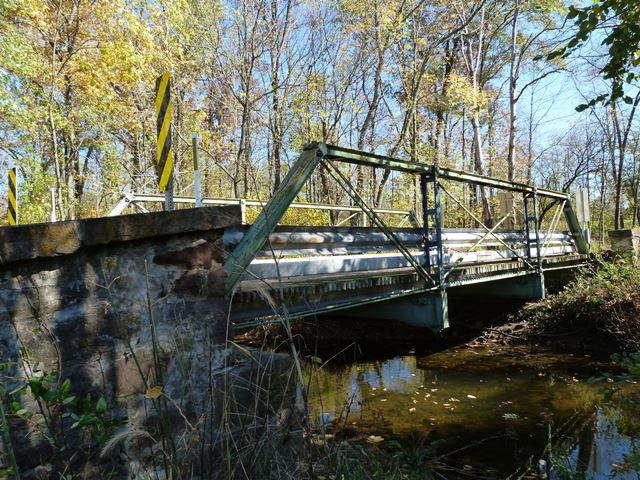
308, 271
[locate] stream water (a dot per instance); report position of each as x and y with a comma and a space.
486, 413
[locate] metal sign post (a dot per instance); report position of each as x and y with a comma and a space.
197, 186
165, 151
53, 205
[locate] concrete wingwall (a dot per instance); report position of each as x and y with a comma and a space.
132, 311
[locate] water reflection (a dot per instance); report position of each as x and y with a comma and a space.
599, 453
507, 407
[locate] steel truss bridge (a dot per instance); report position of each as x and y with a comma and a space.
376, 271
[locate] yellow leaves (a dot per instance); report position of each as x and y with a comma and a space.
154, 392
360, 16
461, 93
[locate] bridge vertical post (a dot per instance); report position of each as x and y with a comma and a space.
434, 240
438, 226
425, 222
437, 301
536, 283
536, 221
531, 215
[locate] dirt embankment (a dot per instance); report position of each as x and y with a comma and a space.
599, 312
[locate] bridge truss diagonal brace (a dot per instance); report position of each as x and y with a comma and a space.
271, 214
487, 229
339, 177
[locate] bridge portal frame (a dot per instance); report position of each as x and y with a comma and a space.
430, 304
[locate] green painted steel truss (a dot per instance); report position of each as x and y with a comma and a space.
316, 154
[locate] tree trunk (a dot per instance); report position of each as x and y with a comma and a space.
487, 218
513, 84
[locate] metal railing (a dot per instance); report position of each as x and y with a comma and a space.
137, 201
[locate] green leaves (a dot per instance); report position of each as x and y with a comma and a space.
62, 406
101, 406
620, 20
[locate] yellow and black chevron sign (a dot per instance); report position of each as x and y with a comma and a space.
163, 117
12, 211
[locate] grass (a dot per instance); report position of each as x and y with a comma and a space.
388, 460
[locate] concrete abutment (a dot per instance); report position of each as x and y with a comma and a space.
133, 310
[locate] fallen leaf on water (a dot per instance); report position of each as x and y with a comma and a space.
154, 392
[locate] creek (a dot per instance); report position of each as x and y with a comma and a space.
481, 412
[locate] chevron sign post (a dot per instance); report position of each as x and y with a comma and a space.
165, 152
12, 191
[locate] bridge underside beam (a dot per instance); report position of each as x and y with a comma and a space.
523, 287
427, 310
